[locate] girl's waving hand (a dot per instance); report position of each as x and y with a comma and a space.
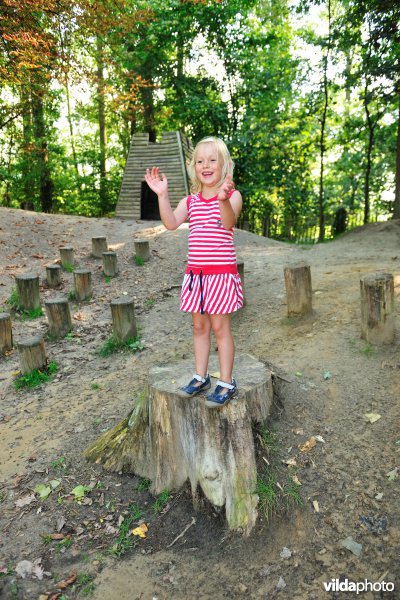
156, 181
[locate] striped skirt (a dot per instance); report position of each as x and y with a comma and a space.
213, 294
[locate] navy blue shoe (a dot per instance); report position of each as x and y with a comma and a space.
217, 398
191, 389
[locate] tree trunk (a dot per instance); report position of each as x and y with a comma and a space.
396, 208
170, 439
102, 127
42, 155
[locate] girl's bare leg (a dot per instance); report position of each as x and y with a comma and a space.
221, 326
202, 342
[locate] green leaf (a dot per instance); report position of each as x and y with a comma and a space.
79, 492
42, 490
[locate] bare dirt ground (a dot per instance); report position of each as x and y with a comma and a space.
329, 380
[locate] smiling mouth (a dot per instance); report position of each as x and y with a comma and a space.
207, 174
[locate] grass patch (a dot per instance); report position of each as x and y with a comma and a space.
68, 267
14, 302
161, 501
275, 497
64, 544
59, 464
139, 261
367, 351
267, 438
36, 377
95, 386
113, 345
86, 584
143, 485
125, 539
150, 301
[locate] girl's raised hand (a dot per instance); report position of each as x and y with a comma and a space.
226, 187
156, 181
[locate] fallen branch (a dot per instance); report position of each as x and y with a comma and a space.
183, 532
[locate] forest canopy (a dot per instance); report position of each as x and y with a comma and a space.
306, 95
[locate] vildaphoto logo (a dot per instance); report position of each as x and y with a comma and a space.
345, 585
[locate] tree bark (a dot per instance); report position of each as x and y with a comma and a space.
396, 208
102, 127
32, 354
46, 185
28, 291
170, 439
6, 336
377, 308
298, 289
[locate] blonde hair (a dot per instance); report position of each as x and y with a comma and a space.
223, 153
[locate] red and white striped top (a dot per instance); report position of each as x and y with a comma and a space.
211, 246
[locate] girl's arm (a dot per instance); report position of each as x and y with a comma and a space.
229, 207
159, 184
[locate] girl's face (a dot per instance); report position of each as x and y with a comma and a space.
208, 165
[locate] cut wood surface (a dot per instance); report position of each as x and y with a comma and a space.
6, 336
32, 354
53, 275
99, 245
142, 249
67, 256
110, 264
58, 316
82, 284
28, 291
377, 308
298, 289
170, 438
123, 318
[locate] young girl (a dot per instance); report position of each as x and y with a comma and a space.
211, 288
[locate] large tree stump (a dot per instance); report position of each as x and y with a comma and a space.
82, 284
28, 291
58, 316
110, 264
99, 245
171, 439
6, 336
123, 318
32, 354
53, 275
377, 308
142, 250
67, 256
298, 289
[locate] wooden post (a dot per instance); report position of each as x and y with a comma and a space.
67, 256
298, 289
53, 275
170, 439
142, 249
240, 268
377, 308
58, 316
83, 284
28, 291
123, 317
32, 354
6, 337
110, 264
99, 245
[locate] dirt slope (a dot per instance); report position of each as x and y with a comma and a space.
330, 380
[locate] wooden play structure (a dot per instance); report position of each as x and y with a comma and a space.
171, 154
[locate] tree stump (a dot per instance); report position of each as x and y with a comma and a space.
53, 275
171, 439
142, 250
240, 268
110, 264
28, 291
6, 336
58, 316
99, 245
123, 317
298, 289
377, 308
83, 284
67, 256
32, 354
